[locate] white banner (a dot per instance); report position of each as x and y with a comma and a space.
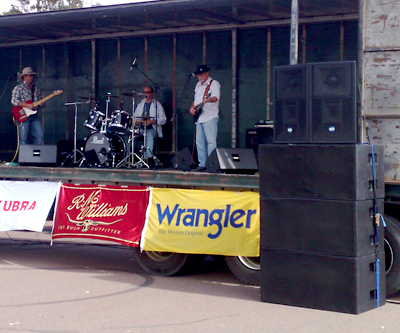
25, 205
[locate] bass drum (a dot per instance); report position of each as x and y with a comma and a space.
105, 150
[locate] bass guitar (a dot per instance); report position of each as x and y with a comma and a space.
21, 114
199, 108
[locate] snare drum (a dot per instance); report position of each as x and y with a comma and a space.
120, 122
95, 120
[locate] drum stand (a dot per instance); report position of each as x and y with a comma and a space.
129, 161
75, 150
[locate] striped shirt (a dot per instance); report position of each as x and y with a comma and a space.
22, 93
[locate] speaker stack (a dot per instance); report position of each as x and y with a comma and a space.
315, 103
317, 228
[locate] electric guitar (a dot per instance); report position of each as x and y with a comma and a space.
21, 114
199, 108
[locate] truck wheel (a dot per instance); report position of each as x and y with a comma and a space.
392, 255
166, 263
246, 269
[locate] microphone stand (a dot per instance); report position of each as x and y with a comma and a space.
174, 118
74, 151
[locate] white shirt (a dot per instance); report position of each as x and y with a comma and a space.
158, 113
210, 110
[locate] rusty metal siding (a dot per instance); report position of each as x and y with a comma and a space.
381, 78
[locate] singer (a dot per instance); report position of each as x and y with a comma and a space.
23, 96
205, 109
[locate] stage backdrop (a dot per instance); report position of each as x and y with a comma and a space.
25, 205
198, 221
111, 213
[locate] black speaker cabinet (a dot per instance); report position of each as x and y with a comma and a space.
182, 160
315, 103
333, 103
342, 172
330, 227
232, 160
290, 104
334, 283
37, 155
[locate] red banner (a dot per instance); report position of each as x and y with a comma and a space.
111, 213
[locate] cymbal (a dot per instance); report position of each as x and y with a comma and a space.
112, 96
90, 98
132, 94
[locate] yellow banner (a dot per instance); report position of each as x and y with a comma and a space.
198, 221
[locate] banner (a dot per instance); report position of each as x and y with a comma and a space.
198, 221
25, 205
111, 213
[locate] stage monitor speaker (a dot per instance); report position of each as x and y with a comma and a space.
333, 283
182, 160
324, 171
37, 155
330, 227
333, 106
232, 160
290, 104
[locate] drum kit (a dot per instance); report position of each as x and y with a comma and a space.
111, 143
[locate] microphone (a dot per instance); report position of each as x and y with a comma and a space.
133, 63
191, 74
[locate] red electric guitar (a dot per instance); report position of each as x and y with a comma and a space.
21, 114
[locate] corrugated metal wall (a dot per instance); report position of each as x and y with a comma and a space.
100, 67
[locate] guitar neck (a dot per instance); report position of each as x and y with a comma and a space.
43, 100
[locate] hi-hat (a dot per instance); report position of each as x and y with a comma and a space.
132, 94
90, 98
112, 96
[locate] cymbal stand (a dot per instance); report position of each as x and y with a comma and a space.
129, 160
104, 123
74, 151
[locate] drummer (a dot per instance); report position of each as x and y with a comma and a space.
149, 117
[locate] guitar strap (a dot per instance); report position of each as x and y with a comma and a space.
207, 89
33, 93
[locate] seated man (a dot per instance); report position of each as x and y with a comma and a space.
149, 117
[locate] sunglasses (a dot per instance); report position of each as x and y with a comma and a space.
147, 92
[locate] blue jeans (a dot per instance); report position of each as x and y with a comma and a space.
34, 124
151, 136
206, 139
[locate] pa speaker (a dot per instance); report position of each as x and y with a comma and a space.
37, 155
333, 103
182, 160
334, 283
290, 104
337, 171
232, 160
330, 227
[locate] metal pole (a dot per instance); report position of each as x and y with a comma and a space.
294, 33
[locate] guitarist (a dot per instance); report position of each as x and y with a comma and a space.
24, 95
206, 94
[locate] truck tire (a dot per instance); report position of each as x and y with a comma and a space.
167, 263
392, 255
246, 269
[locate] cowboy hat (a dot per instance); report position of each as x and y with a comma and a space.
27, 71
201, 69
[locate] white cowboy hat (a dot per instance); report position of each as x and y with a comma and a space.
27, 71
